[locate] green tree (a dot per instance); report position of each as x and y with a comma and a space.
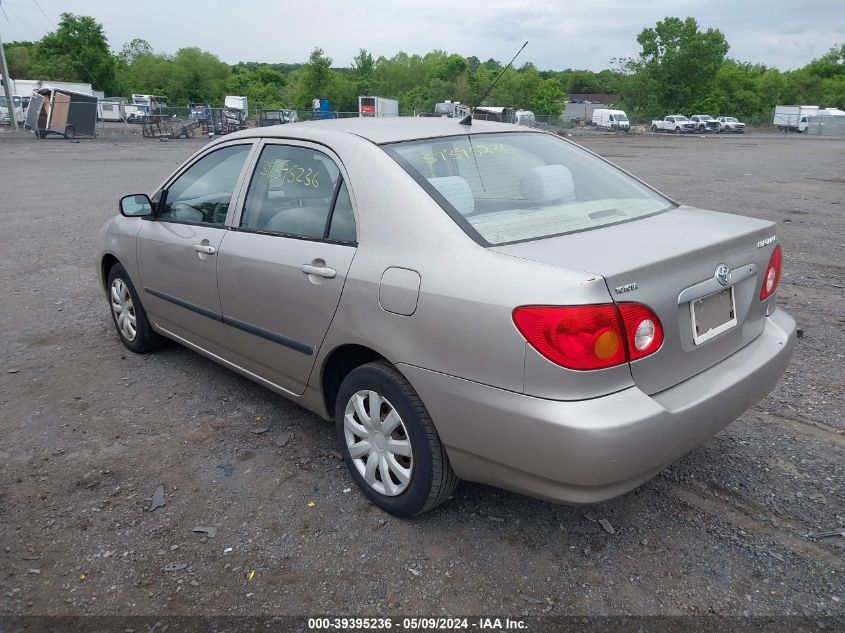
547, 98
131, 51
19, 56
315, 82
76, 51
677, 65
362, 69
197, 76
149, 74
263, 87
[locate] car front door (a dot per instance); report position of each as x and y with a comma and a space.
177, 249
281, 269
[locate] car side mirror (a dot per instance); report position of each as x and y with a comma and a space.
137, 205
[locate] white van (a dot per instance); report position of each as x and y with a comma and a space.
606, 119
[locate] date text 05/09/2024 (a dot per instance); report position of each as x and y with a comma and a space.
417, 624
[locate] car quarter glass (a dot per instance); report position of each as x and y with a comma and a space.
505, 188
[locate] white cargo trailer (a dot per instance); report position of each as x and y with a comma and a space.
377, 106
111, 109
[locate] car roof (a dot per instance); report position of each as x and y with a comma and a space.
378, 129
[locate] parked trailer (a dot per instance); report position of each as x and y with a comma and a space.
111, 109
793, 118
451, 110
377, 106
495, 113
63, 112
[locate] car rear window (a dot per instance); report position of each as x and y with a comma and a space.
514, 187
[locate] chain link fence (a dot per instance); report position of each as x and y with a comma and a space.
576, 116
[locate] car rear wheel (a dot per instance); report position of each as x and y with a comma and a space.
389, 442
128, 314
70, 132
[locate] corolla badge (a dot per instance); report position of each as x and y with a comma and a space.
723, 274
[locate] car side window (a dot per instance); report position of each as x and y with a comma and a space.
291, 193
202, 194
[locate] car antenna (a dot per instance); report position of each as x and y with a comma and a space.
467, 120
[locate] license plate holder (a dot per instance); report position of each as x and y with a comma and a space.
712, 315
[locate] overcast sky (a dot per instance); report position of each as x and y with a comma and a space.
581, 34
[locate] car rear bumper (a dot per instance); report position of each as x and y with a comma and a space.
591, 450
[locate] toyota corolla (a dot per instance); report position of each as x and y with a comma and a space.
483, 302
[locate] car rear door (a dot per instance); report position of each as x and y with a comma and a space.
282, 267
177, 249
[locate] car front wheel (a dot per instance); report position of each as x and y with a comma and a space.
128, 314
389, 442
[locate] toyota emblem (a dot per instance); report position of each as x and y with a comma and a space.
723, 274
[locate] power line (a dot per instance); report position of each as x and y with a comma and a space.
38, 4
22, 21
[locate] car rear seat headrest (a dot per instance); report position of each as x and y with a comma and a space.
310, 180
547, 184
457, 191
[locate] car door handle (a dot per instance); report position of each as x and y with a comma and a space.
320, 271
205, 248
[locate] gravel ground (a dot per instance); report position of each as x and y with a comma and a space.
90, 430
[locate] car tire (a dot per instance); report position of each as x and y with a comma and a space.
127, 311
70, 132
429, 478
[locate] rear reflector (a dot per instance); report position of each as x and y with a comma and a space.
590, 336
773, 270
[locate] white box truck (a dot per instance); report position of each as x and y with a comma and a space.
793, 118
607, 119
377, 106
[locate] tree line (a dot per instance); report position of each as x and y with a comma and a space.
680, 68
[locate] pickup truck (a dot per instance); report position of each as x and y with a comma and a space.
676, 123
705, 123
730, 124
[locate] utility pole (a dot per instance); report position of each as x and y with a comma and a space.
10, 104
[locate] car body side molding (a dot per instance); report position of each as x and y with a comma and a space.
235, 323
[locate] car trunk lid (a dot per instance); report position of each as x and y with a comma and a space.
665, 262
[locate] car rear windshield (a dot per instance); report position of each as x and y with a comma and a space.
513, 187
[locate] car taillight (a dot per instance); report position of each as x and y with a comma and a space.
773, 270
590, 336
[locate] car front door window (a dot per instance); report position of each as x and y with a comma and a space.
202, 194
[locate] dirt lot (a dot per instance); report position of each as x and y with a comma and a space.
89, 430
